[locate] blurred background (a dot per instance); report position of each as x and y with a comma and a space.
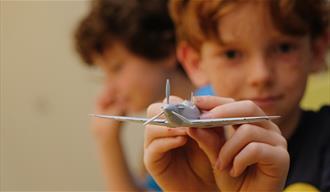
46, 95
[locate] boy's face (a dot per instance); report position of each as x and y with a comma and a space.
134, 81
256, 62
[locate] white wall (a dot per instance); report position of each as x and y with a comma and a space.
46, 94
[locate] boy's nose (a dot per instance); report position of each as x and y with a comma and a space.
260, 72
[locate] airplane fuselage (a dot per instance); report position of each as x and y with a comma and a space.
187, 109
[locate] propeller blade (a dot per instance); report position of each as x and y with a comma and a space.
167, 91
153, 118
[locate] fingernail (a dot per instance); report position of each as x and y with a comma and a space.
205, 115
177, 130
232, 172
218, 165
180, 128
196, 99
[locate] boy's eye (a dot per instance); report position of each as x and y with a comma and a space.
285, 47
231, 54
116, 67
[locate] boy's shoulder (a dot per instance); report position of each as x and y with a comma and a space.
318, 118
314, 126
316, 123
313, 131
309, 150
325, 110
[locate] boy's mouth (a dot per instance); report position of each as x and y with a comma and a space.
267, 101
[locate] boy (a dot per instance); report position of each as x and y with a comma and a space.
256, 55
122, 38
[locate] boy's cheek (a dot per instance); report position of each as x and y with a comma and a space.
206, 71
229, 85
293, 78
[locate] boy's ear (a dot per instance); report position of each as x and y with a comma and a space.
191, 61
320, 45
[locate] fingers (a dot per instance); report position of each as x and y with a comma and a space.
209, 140
240, 109
158, 148
159, 140
272, 160
235, 109
107, 130
106, 96
244, 135
153, 132
109, 102
209, 102
156, 108
173, 100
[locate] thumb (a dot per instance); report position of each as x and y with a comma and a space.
210, 140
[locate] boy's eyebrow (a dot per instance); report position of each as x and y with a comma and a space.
227, 40
232, 40
113, 63
283, 38
226, 43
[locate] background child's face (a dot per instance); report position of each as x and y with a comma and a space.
135, 81
257, 62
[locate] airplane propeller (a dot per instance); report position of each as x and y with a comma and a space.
153, 118
167, 93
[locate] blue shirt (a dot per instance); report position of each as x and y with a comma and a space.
205, 90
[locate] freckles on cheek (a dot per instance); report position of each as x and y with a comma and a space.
295, 66
295, 69
299, 60
226, 79
291, 63
233, 86
227, 83
292, 79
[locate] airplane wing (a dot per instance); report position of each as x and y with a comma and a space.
208, 123
161, 122
197, 123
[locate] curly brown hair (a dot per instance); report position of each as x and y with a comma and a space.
197, 20
143, 26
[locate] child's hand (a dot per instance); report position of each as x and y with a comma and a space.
173, 159
107, 129
254, 158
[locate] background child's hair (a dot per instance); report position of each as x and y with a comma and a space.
143, 26
197, 20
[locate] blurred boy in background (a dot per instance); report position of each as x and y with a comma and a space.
257, 56
133, 42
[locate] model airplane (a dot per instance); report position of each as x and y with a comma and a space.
186, 114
